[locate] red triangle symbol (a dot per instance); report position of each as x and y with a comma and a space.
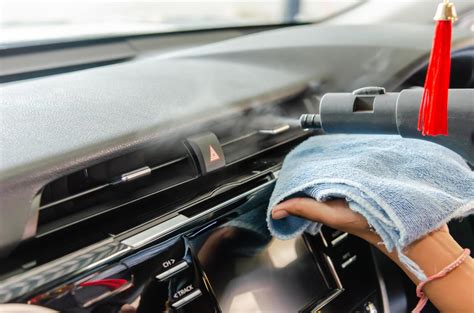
213, 154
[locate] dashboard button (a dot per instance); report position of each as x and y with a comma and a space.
349, 261
330, 235
185, 296
207, 149
171, 260
339, 239
173, 268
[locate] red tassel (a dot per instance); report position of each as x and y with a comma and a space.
433, 115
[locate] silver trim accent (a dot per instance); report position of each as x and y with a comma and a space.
138, 173
336, 293
333, 271
155, 232
106, 259
323, 239
174, 270
275, 131
180, 220
337, 240
349, 261
186, 299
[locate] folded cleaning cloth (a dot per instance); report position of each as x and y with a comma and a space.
405, 188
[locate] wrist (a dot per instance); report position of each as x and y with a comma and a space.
434, 251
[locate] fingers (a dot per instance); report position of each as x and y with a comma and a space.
333, 213
304, 207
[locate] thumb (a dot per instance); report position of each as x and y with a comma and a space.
304, 207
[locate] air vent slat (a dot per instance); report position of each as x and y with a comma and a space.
72, 197
168, 163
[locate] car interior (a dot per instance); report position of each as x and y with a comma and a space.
136, 169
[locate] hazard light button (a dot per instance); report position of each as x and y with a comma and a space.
207, 152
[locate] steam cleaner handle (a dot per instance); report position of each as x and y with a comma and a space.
371, 110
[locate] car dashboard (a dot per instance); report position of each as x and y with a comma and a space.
142, 186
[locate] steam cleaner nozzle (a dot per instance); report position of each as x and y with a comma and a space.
310, 121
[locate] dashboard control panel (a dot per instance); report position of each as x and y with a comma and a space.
225, 260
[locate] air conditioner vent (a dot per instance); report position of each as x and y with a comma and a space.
117, 183
106, 186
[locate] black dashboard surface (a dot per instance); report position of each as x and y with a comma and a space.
55, 125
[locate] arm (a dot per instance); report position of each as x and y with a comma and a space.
452, 293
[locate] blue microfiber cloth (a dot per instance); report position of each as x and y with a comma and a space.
405, 188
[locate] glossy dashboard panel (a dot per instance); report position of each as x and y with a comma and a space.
225, 262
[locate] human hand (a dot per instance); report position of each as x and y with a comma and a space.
431, 252
338, 215
333, 213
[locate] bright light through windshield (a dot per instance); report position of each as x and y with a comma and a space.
35, 20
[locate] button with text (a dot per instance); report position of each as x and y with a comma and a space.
172, 268
170, 261
185, 295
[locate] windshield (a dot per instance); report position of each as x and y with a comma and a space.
37, 20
